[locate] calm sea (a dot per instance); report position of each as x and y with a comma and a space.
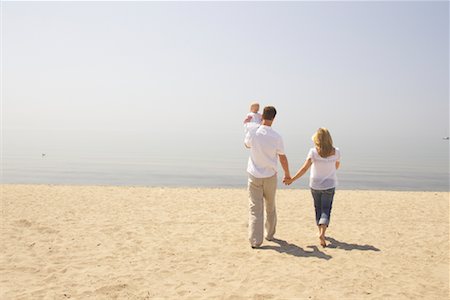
383, 169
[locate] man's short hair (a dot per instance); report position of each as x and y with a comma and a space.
269, 113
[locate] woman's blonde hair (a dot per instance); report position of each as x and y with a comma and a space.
323, 142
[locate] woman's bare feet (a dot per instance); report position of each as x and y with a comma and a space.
322, 229
323, 243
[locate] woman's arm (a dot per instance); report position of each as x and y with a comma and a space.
301, 171
338, 164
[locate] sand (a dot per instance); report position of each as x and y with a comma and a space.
100, 242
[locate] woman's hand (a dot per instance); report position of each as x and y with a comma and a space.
288, 181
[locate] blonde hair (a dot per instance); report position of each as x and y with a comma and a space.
323, 142
253, 104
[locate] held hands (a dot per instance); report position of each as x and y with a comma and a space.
287, 180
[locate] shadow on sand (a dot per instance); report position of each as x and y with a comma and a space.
292, 249
335, 244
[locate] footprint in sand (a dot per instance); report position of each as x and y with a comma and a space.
112, 288
263, 296
23, 223
43, 229
181, 293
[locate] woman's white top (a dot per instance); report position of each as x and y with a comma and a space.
323, 170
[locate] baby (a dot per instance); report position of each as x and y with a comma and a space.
253, 116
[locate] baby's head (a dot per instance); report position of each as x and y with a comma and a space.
254, 107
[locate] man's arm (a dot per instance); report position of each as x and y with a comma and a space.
247, 140
285, 165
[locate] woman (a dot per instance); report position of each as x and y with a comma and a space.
325, 160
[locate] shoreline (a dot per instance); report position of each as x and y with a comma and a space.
280, 188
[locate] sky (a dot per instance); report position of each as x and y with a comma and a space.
177, 78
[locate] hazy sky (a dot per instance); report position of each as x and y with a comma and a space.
180, 76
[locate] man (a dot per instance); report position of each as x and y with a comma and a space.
266, 147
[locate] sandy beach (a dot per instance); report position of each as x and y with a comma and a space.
105, 242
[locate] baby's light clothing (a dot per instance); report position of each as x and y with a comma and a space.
256, 117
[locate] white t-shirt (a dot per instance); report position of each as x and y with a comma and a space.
323, 170
256, 117
265, 146
250, 126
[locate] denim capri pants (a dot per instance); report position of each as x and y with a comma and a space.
323, 201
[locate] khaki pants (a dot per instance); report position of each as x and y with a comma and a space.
261, 191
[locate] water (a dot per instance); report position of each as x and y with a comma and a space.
147, 171
132, 160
